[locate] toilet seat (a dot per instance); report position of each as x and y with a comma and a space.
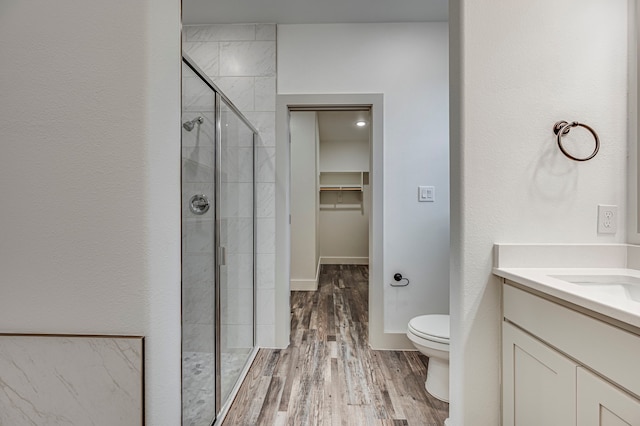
431, 327
430, 335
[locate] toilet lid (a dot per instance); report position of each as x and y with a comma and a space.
431, 327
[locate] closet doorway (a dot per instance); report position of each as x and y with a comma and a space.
373, 103
330, 156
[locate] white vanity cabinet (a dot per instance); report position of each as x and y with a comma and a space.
538, 382
602, 404
563, 367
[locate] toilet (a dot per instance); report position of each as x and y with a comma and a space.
430, 335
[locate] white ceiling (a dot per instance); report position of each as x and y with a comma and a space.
312, 11
341, 125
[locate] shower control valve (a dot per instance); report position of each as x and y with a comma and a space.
199, 204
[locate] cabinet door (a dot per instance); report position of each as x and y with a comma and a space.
603, 404
538, 383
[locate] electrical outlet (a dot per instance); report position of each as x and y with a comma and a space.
607, 219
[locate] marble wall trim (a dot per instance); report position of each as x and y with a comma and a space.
71, 379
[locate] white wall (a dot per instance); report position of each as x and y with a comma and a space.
304, 195
633, 218
517, 68
344, 233
344, 155
408, 63
90, 178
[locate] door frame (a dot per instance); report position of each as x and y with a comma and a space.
377, 338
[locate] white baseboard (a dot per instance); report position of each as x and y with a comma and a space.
391, 342
306, 284
337, 260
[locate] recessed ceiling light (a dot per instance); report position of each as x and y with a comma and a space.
361, 123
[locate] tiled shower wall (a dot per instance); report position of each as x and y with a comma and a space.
241, 61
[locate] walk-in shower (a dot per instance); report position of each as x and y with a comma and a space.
218, 248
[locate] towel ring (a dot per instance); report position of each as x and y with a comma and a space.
562, 128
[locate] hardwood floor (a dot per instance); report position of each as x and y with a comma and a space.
329, 375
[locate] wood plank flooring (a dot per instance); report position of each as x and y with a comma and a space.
329, 375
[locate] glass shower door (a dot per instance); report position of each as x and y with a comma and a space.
198, 251
218, 246
236, 242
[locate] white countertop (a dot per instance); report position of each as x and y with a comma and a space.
613, 303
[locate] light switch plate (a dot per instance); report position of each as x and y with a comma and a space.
427, 193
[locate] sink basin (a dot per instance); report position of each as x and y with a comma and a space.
610, 284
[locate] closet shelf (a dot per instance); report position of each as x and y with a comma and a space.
342, 181
341, 188
340, 206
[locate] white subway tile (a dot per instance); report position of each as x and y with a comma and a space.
265, 31
197, 337
237, 235
240, 90
237, 164
265, 165
221, 32
196, 95
265, 123
265, 301
239, 270
265, 94
205, 54
265, 199
257, 58
198, 237
197, 164
266, 270
237, 200
266, 336
197, 304
237, 308
197, 270
266, 236
236, 336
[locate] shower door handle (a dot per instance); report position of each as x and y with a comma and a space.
222, 256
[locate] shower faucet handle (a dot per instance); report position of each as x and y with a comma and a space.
199, 204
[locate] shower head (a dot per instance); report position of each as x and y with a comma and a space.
189, 125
